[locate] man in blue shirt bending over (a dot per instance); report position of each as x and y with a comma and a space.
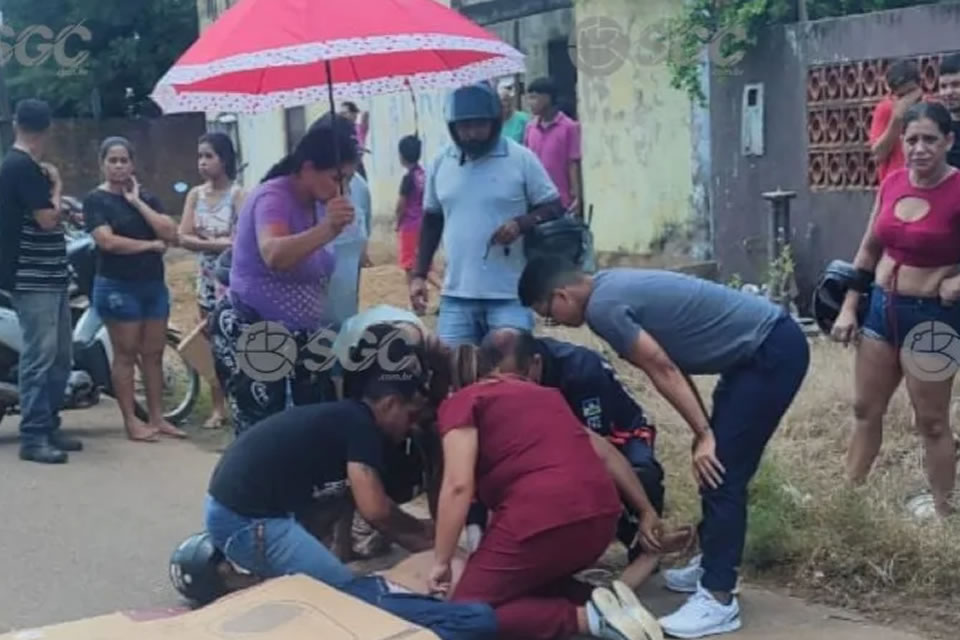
673, 326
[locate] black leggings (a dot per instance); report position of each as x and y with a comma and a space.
252, 400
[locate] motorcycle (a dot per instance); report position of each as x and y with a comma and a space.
92, 351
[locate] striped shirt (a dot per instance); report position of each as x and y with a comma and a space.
31, 259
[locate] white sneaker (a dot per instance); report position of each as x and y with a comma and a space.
609, 619
702, 615
687, 579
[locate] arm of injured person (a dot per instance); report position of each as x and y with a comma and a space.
382, 513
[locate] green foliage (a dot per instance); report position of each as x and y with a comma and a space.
776, 516
133, 44
728, 29
780, 276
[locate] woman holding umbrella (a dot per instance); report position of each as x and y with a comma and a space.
281, 264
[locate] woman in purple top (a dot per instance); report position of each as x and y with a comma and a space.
281, 263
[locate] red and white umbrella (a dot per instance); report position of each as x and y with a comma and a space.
267, 54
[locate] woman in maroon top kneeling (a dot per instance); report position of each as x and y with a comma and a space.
554, 511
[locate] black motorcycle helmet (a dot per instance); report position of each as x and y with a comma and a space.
830, 291
194, 569
475, 102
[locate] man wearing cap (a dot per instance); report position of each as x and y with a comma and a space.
482, 193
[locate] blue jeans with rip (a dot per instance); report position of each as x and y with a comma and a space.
273, 547
45, 361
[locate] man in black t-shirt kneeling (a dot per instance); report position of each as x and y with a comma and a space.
314, 458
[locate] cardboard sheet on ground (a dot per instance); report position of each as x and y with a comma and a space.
290, 608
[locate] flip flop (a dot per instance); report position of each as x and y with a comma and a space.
630, 602
616, 615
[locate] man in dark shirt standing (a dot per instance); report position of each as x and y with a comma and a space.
33, 268
950, 95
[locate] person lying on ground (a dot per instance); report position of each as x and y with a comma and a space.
673, 326
555, 511
593, 392
321, 452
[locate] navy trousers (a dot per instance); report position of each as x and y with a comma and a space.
748, 403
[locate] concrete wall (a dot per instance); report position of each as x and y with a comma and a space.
826, 223
637, 146
166, 153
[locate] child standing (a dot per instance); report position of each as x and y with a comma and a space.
410, 206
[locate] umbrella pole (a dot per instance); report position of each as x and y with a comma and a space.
333, 116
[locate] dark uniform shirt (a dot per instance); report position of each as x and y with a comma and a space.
590, 386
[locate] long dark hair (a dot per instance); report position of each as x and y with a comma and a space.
330, 138
222, 146
933, 111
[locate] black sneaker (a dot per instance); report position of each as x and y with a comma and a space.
64, 442
43, 453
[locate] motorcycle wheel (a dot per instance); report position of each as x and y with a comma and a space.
181, 386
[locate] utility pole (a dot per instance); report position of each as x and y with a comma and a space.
802, 15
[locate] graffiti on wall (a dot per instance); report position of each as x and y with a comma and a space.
840, 102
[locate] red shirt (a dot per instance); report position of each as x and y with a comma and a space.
882, 115
930, 241
536, 469
556, 144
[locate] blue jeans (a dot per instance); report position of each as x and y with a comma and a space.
448, 620
468, 320
748, 403
45, 362
272, 547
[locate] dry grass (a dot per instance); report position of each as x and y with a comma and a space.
809, 531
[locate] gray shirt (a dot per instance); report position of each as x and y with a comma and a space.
705, 327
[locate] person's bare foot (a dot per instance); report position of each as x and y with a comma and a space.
138, 431
168, 429
215, 421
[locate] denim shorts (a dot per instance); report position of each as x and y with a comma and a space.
130, 300
893, 325
468, 320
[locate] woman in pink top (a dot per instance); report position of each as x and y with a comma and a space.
908, 265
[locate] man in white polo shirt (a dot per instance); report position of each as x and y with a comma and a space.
482, 193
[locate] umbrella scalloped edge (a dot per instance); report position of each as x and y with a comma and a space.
335, 49
172, 100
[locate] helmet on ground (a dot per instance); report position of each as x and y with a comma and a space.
194, 569
830, 292
475, 102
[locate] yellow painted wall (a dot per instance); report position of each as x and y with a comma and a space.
637, 158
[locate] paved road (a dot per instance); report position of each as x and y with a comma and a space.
94, 536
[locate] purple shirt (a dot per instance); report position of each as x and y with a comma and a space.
557, 144
411, 188
296, 298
